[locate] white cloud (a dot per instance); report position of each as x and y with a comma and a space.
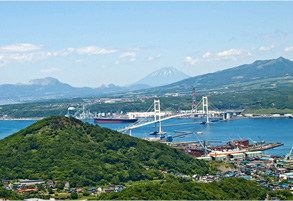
19, 53
23, 57
116, 62
2, 63
127, 54
150, 58
190, 60
49, 70
90, 50
207, 55
63, 52
231, 52
263, 48
153, 58
287, 49
22, 47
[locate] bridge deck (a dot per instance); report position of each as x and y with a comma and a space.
152, 122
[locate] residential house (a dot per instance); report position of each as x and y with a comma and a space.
4, 181
50, 183
66, 185
92, 190
100, 189
110, 188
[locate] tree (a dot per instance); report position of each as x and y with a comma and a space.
73, 195
86, 193
50, 191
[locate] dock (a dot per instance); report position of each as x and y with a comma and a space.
266, 146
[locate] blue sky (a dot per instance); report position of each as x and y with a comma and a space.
94, 43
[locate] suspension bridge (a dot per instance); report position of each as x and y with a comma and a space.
156, 106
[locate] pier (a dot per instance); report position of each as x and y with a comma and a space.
266, 146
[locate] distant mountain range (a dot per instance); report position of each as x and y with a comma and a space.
51, 88
162, 77
47, 88
261, 74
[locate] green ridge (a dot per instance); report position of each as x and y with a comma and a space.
228, 189
66, 149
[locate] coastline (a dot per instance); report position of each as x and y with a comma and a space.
254, 116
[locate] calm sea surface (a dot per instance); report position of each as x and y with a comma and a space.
270, 130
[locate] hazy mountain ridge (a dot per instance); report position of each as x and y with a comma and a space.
260, 74
51, 88
163, 76
45, 81
47, 88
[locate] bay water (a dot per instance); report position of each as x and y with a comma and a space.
269, 130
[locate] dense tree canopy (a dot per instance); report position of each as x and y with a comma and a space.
9, 195
228, 189
66, 149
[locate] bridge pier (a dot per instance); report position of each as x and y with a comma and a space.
205, 107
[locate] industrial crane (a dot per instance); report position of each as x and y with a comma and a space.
252, 140
287, 157
262, 142
233, 143
204, 145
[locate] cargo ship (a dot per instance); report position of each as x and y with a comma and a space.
115, 120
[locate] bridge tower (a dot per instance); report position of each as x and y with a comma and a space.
193, 109
157, 115
205, 107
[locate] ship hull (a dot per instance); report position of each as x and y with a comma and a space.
109, 120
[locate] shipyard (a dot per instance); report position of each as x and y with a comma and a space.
203, 112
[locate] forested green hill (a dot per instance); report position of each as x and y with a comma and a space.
66, 149
228, 189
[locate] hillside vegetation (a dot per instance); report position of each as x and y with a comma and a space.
228, 189
66, 149
9, 195
266, 101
